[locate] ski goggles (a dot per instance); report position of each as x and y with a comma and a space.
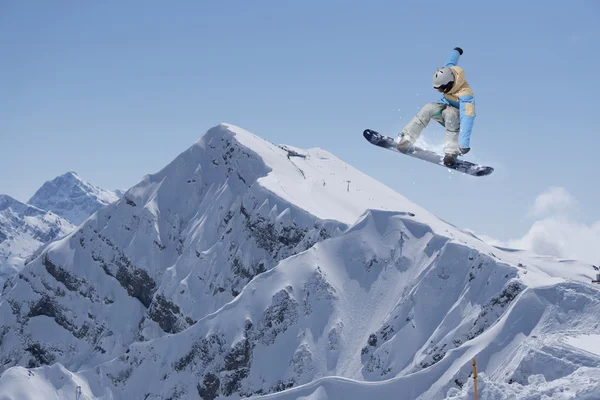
445, 88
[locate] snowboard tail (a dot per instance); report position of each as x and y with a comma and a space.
463, 166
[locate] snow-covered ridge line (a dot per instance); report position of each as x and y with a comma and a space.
282, 305
24, 229
54, 210
245, 268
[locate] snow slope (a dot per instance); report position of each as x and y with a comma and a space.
589, 343
48, 383
177, 246
244, 269
55, 210
389, 299
23, 230
72, 198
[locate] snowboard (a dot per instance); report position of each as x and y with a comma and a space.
463, 166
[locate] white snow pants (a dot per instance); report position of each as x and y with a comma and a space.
446, 115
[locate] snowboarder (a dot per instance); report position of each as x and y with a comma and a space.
455, 111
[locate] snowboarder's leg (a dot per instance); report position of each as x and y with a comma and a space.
412, 130
451, 117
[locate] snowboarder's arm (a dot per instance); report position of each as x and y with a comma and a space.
453, 57
467, 118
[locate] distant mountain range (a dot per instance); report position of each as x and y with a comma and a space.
54, 211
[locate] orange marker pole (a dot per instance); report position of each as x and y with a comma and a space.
475, 378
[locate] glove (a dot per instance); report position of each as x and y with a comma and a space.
460, 51
464, 150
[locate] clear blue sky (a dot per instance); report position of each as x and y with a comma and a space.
114, 91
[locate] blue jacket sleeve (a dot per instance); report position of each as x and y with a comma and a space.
452, 58
467, 119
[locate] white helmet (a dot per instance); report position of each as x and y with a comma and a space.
443, 79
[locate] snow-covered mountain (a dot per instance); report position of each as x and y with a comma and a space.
23, 230
248, 269
54, 211
72, 198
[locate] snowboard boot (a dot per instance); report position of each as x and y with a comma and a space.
404, 145
450, 159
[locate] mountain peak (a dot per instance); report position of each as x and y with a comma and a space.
71, 197
70, 176
312, 179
